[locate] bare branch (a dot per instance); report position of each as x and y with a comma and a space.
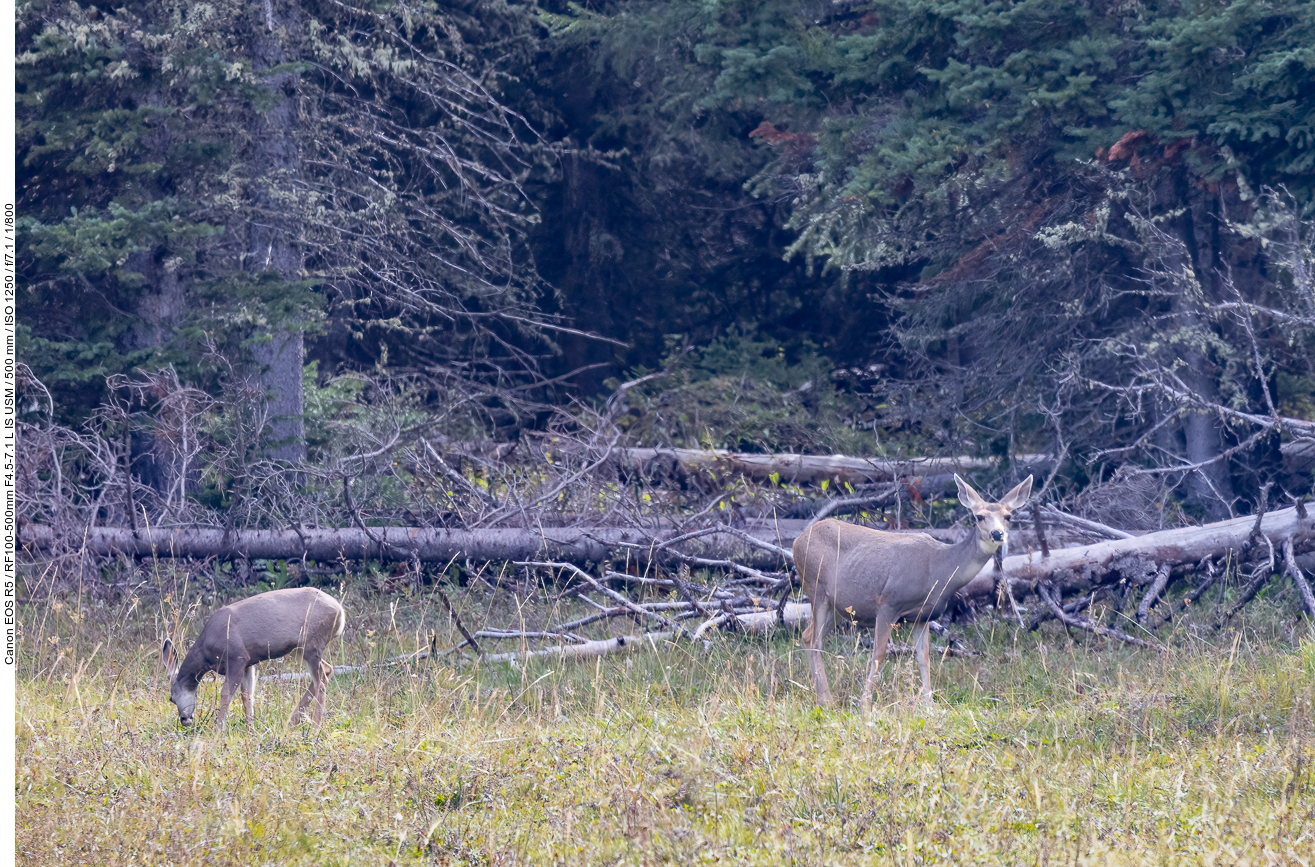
1047, 595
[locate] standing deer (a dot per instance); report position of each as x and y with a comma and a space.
879, 577
238, 636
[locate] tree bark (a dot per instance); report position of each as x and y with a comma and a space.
1079, 568
572, 544
808, 469
275, 161
1203, 436
1137, 558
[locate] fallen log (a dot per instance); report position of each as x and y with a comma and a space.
579, 650
1139, 558
585, 649
573, 544
809, 469
1136, 558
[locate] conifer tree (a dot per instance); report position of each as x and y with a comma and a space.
218, 180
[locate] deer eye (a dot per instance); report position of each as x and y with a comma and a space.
979, 518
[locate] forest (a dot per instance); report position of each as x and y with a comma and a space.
536, 333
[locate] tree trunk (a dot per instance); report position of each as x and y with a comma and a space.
275, 162
569, 544
1136, 558
810, 469
282, 360
1210, 487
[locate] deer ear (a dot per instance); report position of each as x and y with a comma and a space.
967, 496
170, 659
1018, 496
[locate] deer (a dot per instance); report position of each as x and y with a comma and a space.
880, 578
250, 631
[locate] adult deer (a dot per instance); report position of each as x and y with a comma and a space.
882, 578
261, 627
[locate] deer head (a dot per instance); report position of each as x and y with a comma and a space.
992, 519
183, 696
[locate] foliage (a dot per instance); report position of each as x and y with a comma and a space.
195, 179
650, 230
742, 393
934, 153
1045, 225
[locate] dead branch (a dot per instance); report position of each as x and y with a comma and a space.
1259, 578
1040, 530
1003, 589
518, 635
1084, 524
832, 507
600, 647
610, 593
1077, 606
1153, 593
1047, 595
752, 540
1190, 599
447, 603
685, 591
1294, 571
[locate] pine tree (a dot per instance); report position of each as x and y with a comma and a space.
218, 180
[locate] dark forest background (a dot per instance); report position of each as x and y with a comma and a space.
327, 233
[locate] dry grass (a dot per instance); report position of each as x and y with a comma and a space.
1062, 752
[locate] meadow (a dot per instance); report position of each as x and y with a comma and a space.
1046, 748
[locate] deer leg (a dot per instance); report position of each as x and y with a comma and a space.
231, 683
326, 671
922, 648
880, 638
822, 616
249, 695
312, 663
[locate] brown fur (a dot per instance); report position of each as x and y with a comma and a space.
881, 578
250, 631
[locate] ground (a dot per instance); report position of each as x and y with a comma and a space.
1046, 748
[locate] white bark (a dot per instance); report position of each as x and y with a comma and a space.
1067, 568
584, 649
573, 544
801, 469
1076, 567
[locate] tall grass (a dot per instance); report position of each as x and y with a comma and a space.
1047, 748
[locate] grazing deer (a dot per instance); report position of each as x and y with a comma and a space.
879, 577
264, 626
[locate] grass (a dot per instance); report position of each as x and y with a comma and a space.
1045, 749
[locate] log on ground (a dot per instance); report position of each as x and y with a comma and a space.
808, 469
1078, 568
572, 544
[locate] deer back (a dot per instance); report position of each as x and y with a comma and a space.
265, 626
861, 570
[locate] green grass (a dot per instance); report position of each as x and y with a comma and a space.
1045, 749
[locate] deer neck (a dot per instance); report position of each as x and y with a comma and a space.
193, 667
965, 558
